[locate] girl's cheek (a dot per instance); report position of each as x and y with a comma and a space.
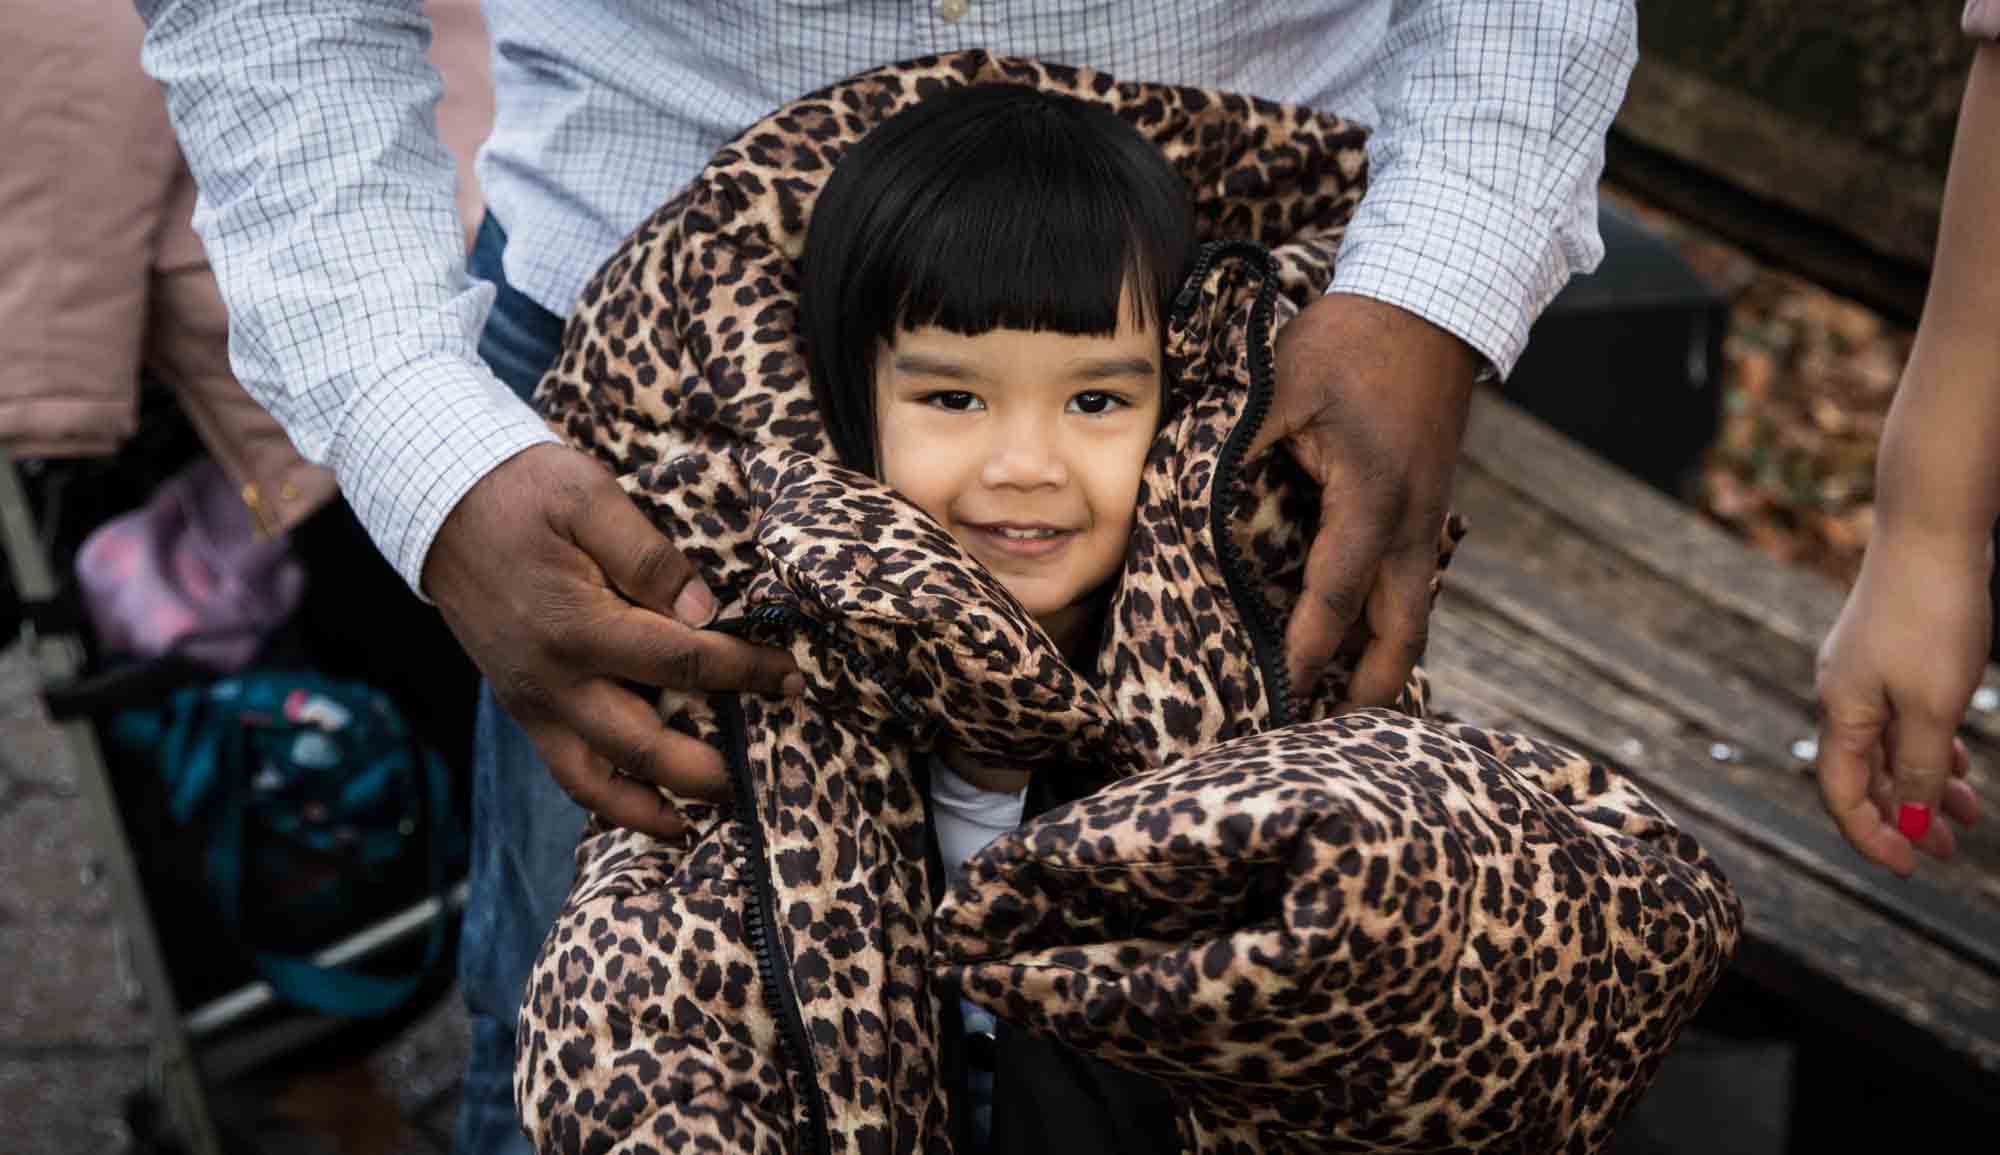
924, 469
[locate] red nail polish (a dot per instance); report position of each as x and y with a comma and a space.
1913, 818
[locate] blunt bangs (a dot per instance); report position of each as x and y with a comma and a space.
980, 208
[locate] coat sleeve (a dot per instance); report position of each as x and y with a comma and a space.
1366, 933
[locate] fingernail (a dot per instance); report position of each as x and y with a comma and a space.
1913, 818
794, 685
695, 605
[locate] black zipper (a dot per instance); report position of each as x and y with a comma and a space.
760, 918
1266, 640
760, 915
788, 616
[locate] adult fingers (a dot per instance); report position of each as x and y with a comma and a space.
637, 644
592, 784
641, 646
1398, 615
1341, 570
637, 559
626, 731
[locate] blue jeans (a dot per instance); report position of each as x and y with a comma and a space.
524, 828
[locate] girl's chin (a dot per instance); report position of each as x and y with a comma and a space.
1041, 602
1057, 602
1058, 617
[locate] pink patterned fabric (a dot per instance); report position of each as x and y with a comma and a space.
1982, 18
189, 572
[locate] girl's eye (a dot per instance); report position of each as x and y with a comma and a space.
954, 400
1096, 401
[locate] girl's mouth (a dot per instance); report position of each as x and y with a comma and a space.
1023, 540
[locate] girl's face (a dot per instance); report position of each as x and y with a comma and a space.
1027, 447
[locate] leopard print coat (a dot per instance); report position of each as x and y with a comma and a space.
1366, 932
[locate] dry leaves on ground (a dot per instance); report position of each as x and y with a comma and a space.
1808, 378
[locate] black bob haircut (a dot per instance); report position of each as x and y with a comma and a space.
989, 206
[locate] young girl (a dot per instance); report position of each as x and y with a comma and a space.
984, 292
974, 448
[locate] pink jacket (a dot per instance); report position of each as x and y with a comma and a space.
1982, 18
101, 275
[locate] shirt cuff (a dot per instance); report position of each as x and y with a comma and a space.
417, 441
1479, 267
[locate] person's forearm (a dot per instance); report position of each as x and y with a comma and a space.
1482, 196
1940, 468
328, 209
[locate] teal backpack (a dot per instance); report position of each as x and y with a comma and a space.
305, 810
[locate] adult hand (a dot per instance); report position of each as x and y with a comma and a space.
1895, 675
1371, 401
562, 592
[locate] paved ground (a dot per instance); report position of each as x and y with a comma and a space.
73, 1028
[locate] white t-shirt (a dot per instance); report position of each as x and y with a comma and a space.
966, 817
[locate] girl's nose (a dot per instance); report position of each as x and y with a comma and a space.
1024, 464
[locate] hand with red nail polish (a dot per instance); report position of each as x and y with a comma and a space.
1898, 669
1895, 676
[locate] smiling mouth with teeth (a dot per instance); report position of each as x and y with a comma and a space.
1024, 534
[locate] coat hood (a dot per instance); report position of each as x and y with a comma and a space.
684, 372
1296, 920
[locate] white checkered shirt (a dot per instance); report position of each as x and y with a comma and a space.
327, 201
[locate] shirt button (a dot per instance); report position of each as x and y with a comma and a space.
954, 11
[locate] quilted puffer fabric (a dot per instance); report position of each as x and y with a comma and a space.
1304, 923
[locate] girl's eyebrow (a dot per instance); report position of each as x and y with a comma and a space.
1103, 369
1114, 367
929, 366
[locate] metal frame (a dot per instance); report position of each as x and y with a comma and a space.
236, 1032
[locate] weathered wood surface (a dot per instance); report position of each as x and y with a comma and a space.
1587, 608
1815, 134
1840, 109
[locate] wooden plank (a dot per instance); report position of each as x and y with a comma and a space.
1764, 721
1757, 792
1547, 551
1768, 121
1818, 172
1913, 999
1809, 928
1558, 486
1597, 613
1772, 233
1608, 507
1550, 548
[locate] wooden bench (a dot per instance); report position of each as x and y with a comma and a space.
1814, 135
1589, 609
